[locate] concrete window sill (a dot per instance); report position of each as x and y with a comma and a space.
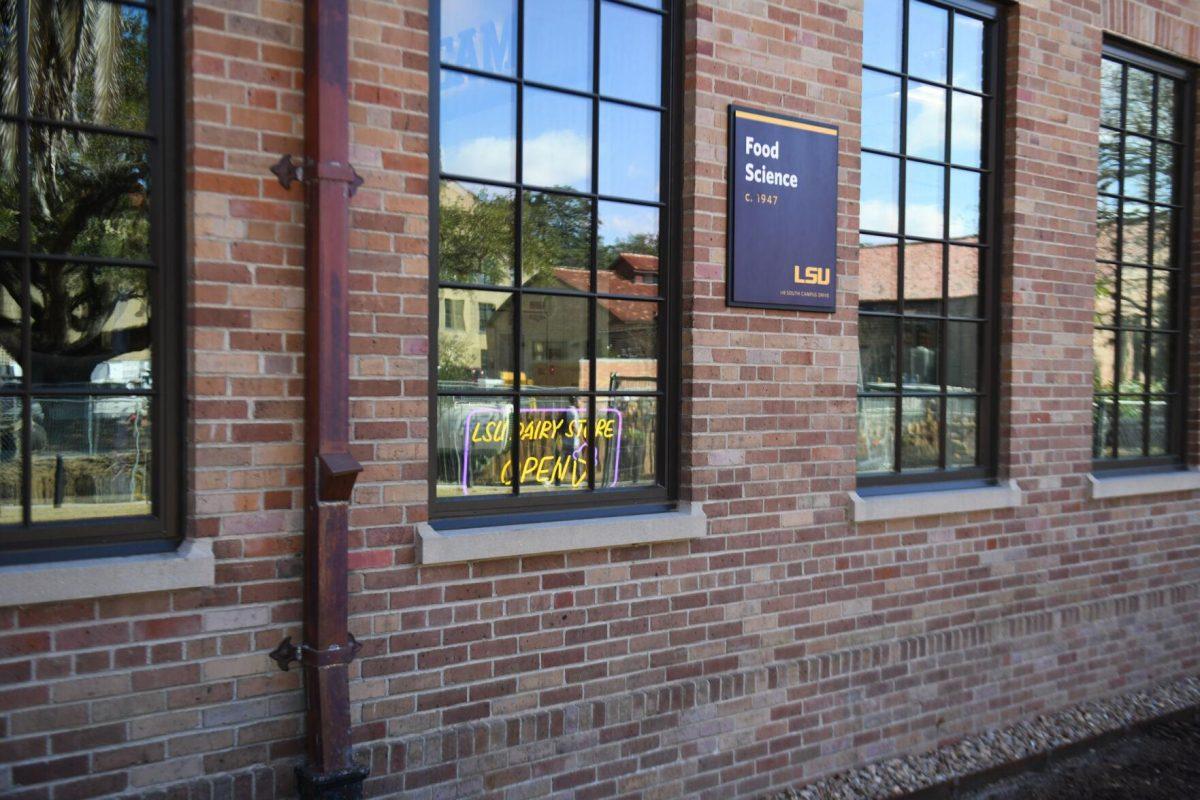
1108, 487
507, 541
906, 505
190, 566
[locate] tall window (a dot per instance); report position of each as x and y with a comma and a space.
1140, 263
551, 227
88, 415
926, 323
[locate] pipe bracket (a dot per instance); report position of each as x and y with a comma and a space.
305, 170
285, 653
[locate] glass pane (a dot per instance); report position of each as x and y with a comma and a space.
1164, 237
626, 345
91, 458
558, 43
557, 140
1161, 362
927, 32
475, 336
883, 30
629, 150
1135, 294
1131, 430
628, 248
922, 277
968, 52
1104, 410
1106, 295
962, 356
11, 461
966, 129
1139, 100
962, 431
91, 326
923, 200
877, 353
1110, 161
878, 274
1164, 173
630, 54
10, 101
1104, 360
919, 369
964, 204
475, 234
1167, 91
1133, 362
556, 236
1135, 233
101, 66
90, 194
554, 342
1137, 167
554, 444
876, 434
10, 189
966, 267
926, 121
480, 34
919, 432
880, 210
1110, 93
1162, 302
474, 446
881, 111
11, 370
626, 441
1106, 230
1160, 426
478, 127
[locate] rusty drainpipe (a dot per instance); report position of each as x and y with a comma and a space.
330, 771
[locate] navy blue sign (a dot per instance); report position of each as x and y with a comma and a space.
782, 212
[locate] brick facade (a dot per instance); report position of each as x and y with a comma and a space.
787, 644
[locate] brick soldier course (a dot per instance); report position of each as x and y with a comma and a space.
788, 643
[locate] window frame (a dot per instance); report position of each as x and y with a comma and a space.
461, 512
989, 397
162, 531
1131, 54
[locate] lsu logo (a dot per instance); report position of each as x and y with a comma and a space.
812, 276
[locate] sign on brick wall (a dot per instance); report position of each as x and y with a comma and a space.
782, 212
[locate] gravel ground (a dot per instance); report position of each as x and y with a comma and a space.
898, 776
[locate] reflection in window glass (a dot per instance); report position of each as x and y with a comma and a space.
924, 200
479, 34
558, 43
475, 233
877, 353
630, 41
878, 264
883, 33
881, 108
926, 121
474, 346
474, 446
927, 35
876, 434
629, 148
478, 127
554, 450
557, 140
964, 204
920, 422
10, 197
556, 241
879, 208
628, 246
626, 440
968, 52
965, 147
554, 342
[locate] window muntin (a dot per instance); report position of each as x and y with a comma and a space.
926, 327
1138, 344
551, 231
88, 416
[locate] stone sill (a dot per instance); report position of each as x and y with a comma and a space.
190, 566
930, 503
507, 541
1108, 487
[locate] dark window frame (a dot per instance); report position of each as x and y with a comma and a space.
1130, 54
162, 530
991, 207
450, 513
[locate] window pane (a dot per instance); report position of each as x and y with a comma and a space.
478, 127
964, 204
11, 369
1104, 411
966, 135
919, 432
927, 31
883, 31
474, 352
1162, 362
881, 111
1164, 237
878, 273
626, 345
1131, 431
557, 146
558, 43
480, 34
1160, 426
1164, 173
554, 450
626, 441
880, 210
629, 150
9, 99
474, 446
11, 461
630, 47
1167, 93
1110, 161
1135, 292
1110, 93
923, 200
962, 356
1137, 167
1162, 305
10, 188
1106, 295
962, 431
966, 267
877, 353
968, 52
923, 277
628, 248
1104, 360
90, 194
920, 365
554, 342
1106, 228
91, 458
876, 434
1139, 100
556, 236
926, 121
1135, 233
1133, 362
475, 234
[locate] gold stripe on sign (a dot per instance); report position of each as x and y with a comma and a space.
804, 126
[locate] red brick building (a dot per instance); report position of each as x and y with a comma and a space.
786, 558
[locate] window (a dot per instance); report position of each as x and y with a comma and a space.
927, 242
1138, 344
89, 417
551, 229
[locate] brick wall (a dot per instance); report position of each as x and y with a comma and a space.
788, 643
